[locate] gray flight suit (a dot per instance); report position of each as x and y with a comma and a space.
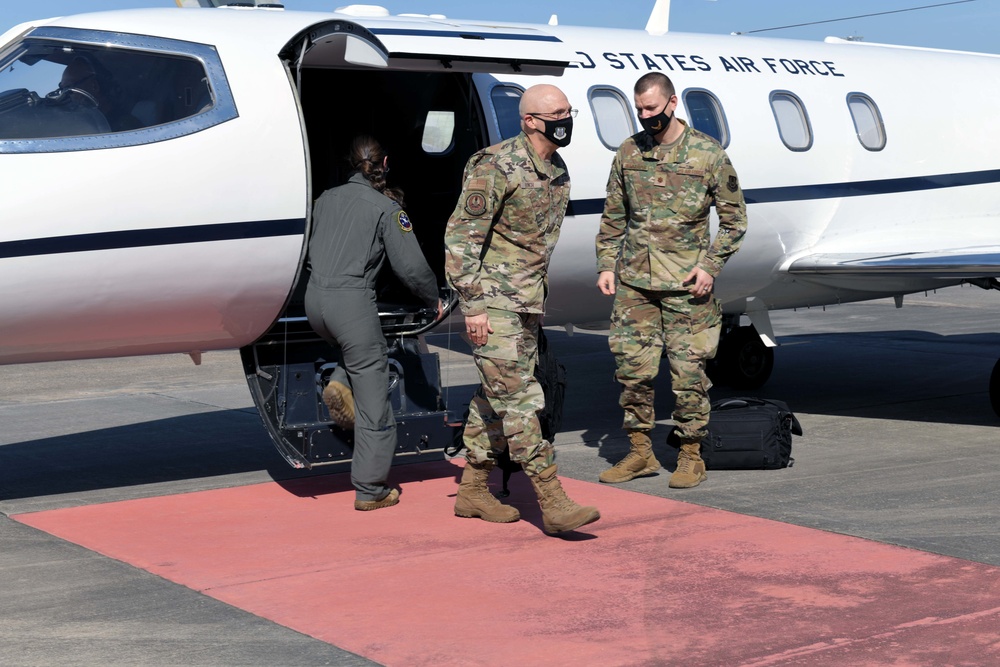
355, 228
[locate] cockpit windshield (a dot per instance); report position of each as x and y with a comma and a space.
52, 89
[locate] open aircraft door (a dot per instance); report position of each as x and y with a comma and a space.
409, 84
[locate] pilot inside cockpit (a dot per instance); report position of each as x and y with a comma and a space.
79, 83
89, 83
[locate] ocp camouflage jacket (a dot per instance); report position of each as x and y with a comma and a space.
655, 227
500, 238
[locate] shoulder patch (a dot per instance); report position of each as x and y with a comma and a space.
733, 184
403, 221
475, 203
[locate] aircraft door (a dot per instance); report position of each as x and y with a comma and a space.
420, 97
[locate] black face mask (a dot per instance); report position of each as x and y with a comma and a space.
654, 125
559, 131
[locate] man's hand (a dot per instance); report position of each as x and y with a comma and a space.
699, 282
440, 309
478, 327
606, 282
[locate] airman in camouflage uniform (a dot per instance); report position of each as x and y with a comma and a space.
499, 241
655, 243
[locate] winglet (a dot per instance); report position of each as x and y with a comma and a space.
659, 18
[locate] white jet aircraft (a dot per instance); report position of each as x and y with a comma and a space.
158, 169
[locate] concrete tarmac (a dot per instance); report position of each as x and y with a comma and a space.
899, 448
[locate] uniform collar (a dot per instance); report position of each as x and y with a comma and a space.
647, 144
551, 170
358, 177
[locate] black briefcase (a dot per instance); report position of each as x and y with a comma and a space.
749, 433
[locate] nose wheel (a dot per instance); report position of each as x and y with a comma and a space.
995, 388
743, 361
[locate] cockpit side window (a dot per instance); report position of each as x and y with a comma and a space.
64, 89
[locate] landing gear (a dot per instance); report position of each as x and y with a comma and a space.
288, 367
995, 388
743, 360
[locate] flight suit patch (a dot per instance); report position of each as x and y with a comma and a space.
475, 203
733, 184
403, 221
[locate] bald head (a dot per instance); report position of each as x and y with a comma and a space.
546, 118
542, 99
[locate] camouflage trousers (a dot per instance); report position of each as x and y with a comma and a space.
503, 412
644, 324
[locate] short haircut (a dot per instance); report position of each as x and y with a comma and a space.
655, 80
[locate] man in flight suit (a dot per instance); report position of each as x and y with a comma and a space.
499, 242
656, 256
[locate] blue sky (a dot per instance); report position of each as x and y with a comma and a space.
972, 25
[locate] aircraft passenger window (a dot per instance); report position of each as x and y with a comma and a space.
706, 115
439, 132
612, 116
793, 123
66, 89
505, 100
867, 121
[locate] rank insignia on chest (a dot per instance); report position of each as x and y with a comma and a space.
475, 203
733, 184
404, 221
660, 180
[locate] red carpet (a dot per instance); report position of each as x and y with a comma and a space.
654, 582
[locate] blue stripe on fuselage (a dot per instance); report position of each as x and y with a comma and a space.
834, 190
862, 188
272, 228
140, 238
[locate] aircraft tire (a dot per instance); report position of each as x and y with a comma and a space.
743, 359
995, 388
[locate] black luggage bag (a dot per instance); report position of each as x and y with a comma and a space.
749, 433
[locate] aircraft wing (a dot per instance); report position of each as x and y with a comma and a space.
950, 265
974, 262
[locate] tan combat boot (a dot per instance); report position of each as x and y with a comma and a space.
559, 513
637, 463
690, 468
390, 499
339, 401
475, 500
